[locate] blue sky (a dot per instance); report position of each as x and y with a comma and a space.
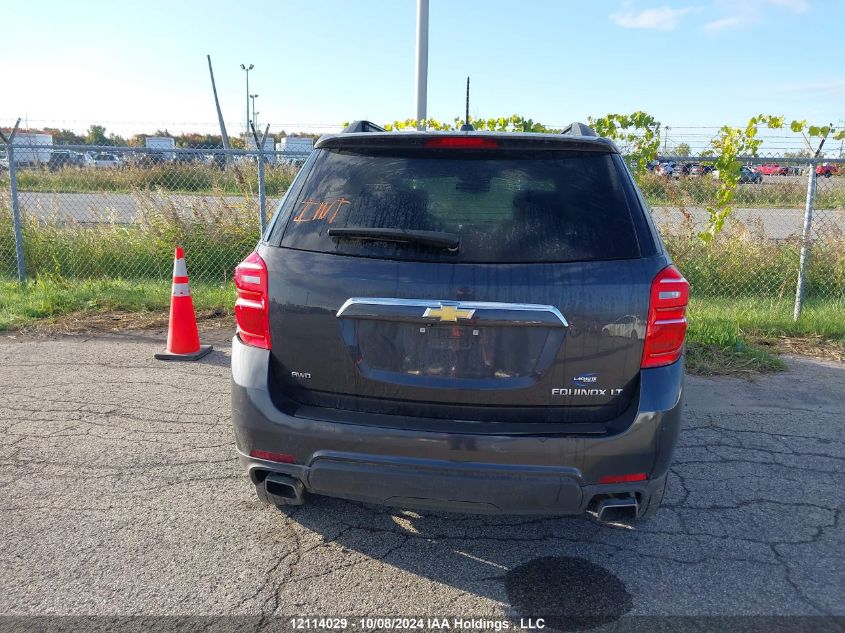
321, 62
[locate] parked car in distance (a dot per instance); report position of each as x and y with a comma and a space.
102, 160
62, 158
750, 176
772, 169
187, 158
699, 169
827, 170
431, 319
747, 175
665, 169
681, 169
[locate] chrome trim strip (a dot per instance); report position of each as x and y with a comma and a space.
463, 305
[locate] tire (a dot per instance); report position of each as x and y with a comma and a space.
828, 174
654, 501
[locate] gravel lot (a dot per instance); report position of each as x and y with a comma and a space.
121, 495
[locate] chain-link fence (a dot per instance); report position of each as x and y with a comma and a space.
758, 252
95, 212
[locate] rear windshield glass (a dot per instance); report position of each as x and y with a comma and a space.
517, 207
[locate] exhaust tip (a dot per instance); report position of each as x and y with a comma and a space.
616, 509
284, 489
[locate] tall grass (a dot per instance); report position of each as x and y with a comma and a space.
787, 192
727, 320
742, 262
216, 231
48, 296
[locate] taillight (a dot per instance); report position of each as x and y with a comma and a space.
462, 142
252, 305
667, 318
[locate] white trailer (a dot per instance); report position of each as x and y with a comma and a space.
163, 146
296, 148
295, 145
39, 155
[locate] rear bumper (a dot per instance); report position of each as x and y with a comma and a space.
539, 474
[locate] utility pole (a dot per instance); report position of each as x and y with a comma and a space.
246, 68
422, 61
665, 138
223, 133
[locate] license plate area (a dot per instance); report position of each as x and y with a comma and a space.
452, 351
453, 338
451, 345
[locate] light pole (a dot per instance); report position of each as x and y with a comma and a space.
422, 61
246, 68
254, 113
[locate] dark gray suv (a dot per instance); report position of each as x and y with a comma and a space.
441, 320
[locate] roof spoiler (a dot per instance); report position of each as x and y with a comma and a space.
578, 129
362, 126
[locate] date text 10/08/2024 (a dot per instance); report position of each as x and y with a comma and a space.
419, 624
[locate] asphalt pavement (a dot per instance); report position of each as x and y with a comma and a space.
121, 495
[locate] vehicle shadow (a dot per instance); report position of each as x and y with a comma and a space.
217, 358
551, 568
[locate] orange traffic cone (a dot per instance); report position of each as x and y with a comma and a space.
183, 339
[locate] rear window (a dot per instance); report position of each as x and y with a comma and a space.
506, 207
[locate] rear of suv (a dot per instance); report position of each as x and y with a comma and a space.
440, 321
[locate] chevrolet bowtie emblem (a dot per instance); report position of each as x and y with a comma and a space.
448, 313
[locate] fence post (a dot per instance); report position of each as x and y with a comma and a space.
262, 194
16, 210
806, 240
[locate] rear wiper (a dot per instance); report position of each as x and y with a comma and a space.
449, 241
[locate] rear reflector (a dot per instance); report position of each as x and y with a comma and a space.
667, 320
462, 142
623, 479
282, 458
252, 304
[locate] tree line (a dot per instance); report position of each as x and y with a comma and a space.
98, 135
